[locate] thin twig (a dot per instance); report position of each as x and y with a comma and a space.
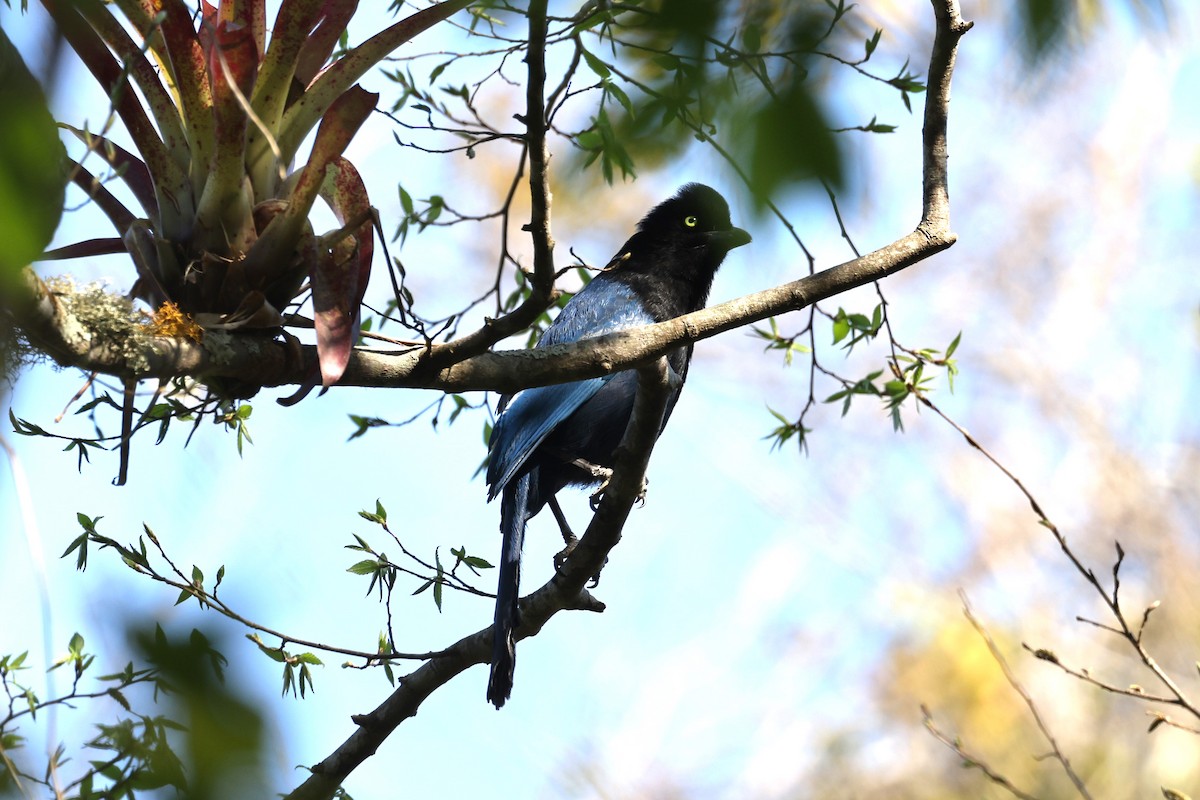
998, 657
970, 760
1124, 630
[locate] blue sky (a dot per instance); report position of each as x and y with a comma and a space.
752, 596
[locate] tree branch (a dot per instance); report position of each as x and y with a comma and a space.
564, 591
268, 363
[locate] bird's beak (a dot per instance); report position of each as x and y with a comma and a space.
727, 240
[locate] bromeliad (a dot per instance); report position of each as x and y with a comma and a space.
218, 115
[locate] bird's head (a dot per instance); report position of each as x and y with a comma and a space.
683, 239
677, 250
695, 221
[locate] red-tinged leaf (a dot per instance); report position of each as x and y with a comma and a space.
258, 25
224, 217
293, 24
168, 177
338, 127
162, 106
346, 195
154, 259
189, 70
341, 276
85, 249
208, 26
319, 46
129, 167
327, 89
241, 15
232, 64
250, 15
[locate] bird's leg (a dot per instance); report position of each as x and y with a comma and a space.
569, 538
596, 471
602, 474
674, 381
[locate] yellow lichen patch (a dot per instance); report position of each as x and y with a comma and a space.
168, 320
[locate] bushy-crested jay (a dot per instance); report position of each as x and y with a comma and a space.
541, 437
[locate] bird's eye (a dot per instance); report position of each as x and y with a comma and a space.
690, 220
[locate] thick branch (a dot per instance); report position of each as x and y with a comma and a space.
268, 363
564, 591
935, 207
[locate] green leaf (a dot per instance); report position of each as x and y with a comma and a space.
595, 64
752, 37
953, 345
616, 91
32, 178
873, 42
79, 543
379, 516
438, 70
841, 328
785, 139
365, 567
275, 655
588, 140
667, 61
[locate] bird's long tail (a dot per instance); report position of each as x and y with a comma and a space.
514, 505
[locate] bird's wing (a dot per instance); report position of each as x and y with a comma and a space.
526, 423
603, 306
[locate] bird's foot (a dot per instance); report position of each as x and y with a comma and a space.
595, 579
594, 500
598, 495
560, 557
602, 474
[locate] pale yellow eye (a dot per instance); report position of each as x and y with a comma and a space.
690, 220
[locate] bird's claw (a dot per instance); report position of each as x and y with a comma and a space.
595, 579
560, 557
598, 495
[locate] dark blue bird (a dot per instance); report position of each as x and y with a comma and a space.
665, 270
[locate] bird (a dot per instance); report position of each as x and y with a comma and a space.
549, 437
